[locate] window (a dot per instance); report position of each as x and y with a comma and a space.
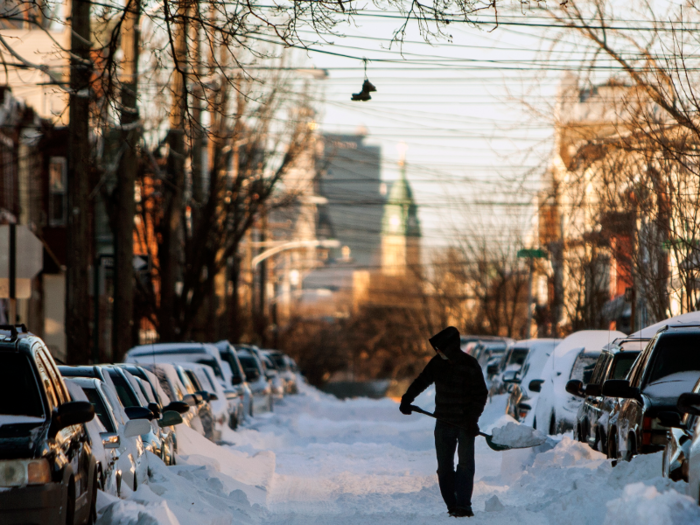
46, 381
19, 392
57, 191
583, 367
622, 365
100, 408
674, 354
126, 396
601, 367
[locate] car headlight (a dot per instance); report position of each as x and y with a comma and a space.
21, 472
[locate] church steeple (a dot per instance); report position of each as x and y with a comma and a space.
401, 230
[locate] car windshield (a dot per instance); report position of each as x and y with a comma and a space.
675, 353
583, 366
622, 364
279, 361
250, 365
100, 408
517, 356
126, 396
19, 391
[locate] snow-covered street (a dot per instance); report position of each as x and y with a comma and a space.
319, 460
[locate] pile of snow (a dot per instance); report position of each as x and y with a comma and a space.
516, 435
318, 460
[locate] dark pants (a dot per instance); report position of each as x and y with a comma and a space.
456, 486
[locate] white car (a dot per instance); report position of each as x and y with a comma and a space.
259, 384
123, 450
556, 409
222, 409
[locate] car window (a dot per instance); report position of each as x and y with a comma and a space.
583, 367
186, 382
194, 380
46, 381
236, 370
19, 390
517, 356
622, 364
250, 365
601, 366
100, 408
673, 354
62, 395
640, 364
279, 361
126, 396
212, 363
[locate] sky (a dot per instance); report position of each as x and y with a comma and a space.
474, 150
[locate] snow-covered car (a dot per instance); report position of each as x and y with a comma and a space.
286, 368
593, 415
259, 384
239, 381
668, 367
221, 410
202, 353
273, 375
123, 447
686, 455
522, 398
172, 386
556, 408
511, 361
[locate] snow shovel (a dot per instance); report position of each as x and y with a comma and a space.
489, 439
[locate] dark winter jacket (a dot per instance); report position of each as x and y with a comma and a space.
460, 389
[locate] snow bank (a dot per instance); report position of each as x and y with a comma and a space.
644, 505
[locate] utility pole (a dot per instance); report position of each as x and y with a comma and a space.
125, 206
169, 258
79, 212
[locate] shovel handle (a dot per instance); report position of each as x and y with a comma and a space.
421, 411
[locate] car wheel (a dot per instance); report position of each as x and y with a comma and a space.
534, 424
552, 426
631, 448
611, 449
233, 422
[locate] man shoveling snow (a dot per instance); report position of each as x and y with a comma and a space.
460, 397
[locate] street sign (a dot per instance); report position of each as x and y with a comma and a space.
29, 260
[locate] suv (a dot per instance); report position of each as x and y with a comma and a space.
48, 473
668, 367
595, 412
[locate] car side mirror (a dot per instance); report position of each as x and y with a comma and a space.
203, 394
620, 388
110, 440
575, 388
510, 377
139, 413
181, 407
136, 427
153, 407
688, 403
670, 419
593, 390
170, 418
535, 385
70, 413
213, 396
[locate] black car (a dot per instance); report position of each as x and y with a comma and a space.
668, 367
595, 412
48, 473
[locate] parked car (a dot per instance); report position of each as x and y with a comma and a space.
286, 368
512, 360
219, 406
130, 397
239, 381
522, 398
273, 375
171, 384
667, 367
593, 416
123, 460
688, 455
489, 351
259, 384
48, 473
556, 408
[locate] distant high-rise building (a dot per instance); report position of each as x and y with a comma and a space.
401, 230
351, 181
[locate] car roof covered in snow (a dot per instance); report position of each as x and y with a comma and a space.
691, 318
588, 340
